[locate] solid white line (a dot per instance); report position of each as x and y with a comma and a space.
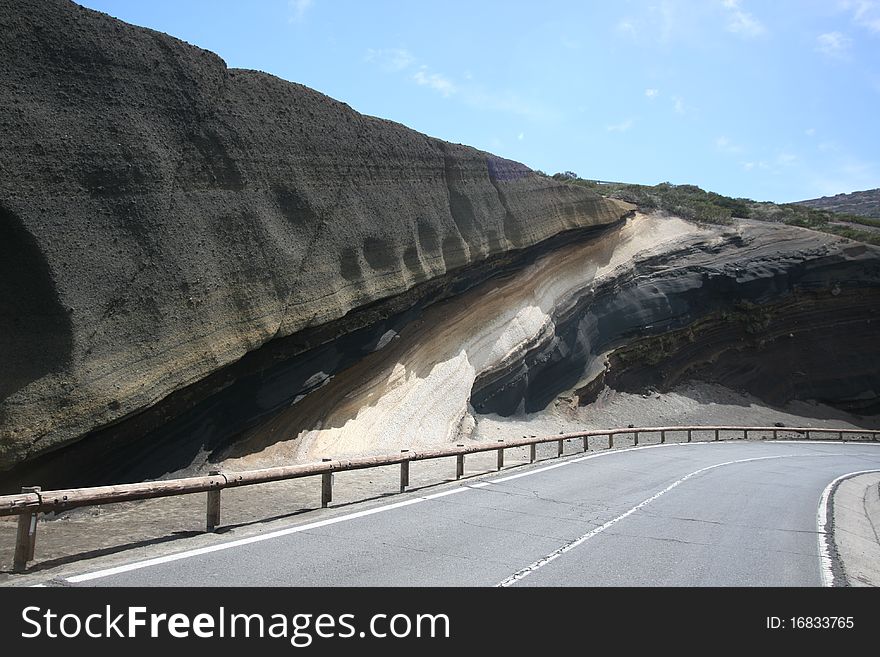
823, 525
388, 507
543, 561
255, 539
107, 572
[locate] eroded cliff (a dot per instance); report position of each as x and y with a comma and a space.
162, 216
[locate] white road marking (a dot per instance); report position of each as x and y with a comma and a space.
107, 572
255, 539
823, 525
543, 561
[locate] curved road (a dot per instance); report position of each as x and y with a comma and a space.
699, 514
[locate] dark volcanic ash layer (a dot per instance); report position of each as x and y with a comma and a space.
161, 216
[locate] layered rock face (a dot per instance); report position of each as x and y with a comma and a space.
784, 313
162, 216
202, 265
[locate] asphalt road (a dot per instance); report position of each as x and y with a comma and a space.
700, 514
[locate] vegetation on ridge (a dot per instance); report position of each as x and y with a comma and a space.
692, 202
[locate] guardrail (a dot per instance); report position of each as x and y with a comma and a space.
33, 501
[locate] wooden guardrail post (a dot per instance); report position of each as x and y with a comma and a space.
840, 435
532, 452
404, 473
459, 464
635, 438
212, 515
662, 437
326, 487
560, 447
26, 536
500, 455
610, 440
717, 437
690, 435
586, 443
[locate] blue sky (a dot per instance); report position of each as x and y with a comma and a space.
768, 100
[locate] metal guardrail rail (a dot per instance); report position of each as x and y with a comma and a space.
33, 500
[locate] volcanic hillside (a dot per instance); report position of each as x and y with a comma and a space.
863, 204
200, 263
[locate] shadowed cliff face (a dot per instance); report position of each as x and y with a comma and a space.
200, 265
171, 215
781, 313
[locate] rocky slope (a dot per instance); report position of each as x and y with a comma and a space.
780, 312
863, 204
162, 216
200, 265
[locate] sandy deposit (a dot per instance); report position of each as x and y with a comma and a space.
416, 391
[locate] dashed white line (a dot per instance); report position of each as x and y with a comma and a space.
396, 505
543, 561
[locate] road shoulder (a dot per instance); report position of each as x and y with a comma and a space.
856, 528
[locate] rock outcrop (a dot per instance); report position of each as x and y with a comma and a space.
784, 313
200, 264
865, 203
163, 216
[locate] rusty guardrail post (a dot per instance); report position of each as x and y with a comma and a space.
586, 443
500, 455
212, 515
560, 447
404, 473
26, 537
326, 487
532, 452
459, 464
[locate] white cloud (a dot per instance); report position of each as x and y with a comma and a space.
786, 159
507, 102
741, 22
833, 44
402, 61
435, 81
298, 9
391, 59
625, 26
810, 132
865, 13
760, 164
521, 136
623, 126
724, 145
845, 173
652, 93
678, 104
